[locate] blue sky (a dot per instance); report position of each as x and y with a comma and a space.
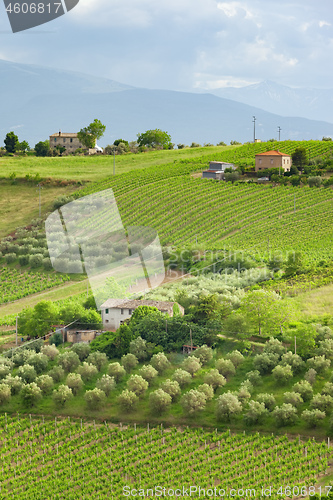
184, 44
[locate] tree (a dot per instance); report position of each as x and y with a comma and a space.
23, 146
300, 158
5, 394
207, 390
97, 359
36, 322
61, 395
116, 370
311, 375
294, 360
282, 374
191, 365
11, 142
39, 361
148, 372
90, 134
69, 361
225, 367
42, 148
319, 363
255, 413
127, 400
231, 176
160, 362
313, 417
215, 379
15, 383
31, 393
267, 399
95, 399
254, 377
50, 351
87, 371
82, 350
57, 373
204, 353
74, 381
159, 401
45, 383
304, 388
137, 384
129, 361
286, 414
228, 406
106, 384
256, 306
265, 362
193, 401
327, 389
154, 139
294, 264
138, 347
182, 377
27, 373
235, 357
322, 402
293, 398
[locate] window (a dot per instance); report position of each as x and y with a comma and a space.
121, 311
271, 161
106, 321
260, 161
71, 140
64, 139
130, 311
55, 139
106, 311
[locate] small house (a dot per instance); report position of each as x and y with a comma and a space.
273, 159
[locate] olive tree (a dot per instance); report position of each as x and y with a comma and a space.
214, 378
5, 393
160, 362
45, 383
138, 347
322, 402
171, 387
148, 372
182, 377
293, 398
265, 362
286, 414
255, 413
236, 357
94, 399
31, 394
137, 384
327, 389
282, 374
207, 390
293, 360
243, 395
27, 373
127, 400
267, 399
228, 406
304, 388
15, 383
225, 367
57, 373
87, 371
313, 417
81, 349
99, 359
106, 384
74, 381
274, 346
254, 377
69, 361
129, 361
4, 371
310, 376
191, 365
159, 401
50, 351
116, 370
326, 348
204, 353
39, 361
193, 401
319, 363
62, 395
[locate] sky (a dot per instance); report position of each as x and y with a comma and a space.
187, 45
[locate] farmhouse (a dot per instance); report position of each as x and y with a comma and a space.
116, 311
273, 159
69, 141
216, 170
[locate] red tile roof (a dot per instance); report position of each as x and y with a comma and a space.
272, 153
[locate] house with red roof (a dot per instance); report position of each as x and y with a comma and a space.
273, 159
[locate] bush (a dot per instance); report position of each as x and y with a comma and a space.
255, 413
129, 361
294, 360
74, 382
81, 349
116, 371
57, 373
322, 402
215, 379
319, 363
225, 367
328, 389
191, 365
137, 384
246, 384
138, 347
267, 399
21, 356
285, 414
293, 398
4, 371
95, 399
227, 406
36, 260
69, 361
326, 348
99, 359
204, 353
254, 377
315, 181
39, 361
310, 376
193, 401
27, 373
159, 401
207, 390
23, 260
304, 388
106, 384
282, 374
265, 362
236, 357
87, 371
15, 383
5, 394
45, 383
56, 339
62, 395
148, 372
10, 258
160, 362
127, 400
274, 346
31, 394
50, 351
243, 395
182, 377
313, 417
171, 387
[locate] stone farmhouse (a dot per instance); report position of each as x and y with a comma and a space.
116, 311
273, 159
69, 141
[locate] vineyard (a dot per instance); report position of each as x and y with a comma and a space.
64, 459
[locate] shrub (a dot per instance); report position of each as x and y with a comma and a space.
243, 395
39, 361
160, 362
315, 181
193, 401
45, 383
21, 356
246, 384
207, 390
15, 383
106, 384
87, 371
191, 365
225, 367
304, 388
322, 402
23, 260
94, 399
204, 353
310, 376
267, 399
294, 360
129, 361
69, 361
10, 257
148, 372
4, 371
171, 387
116, 370
236, 357
319, 363
227, 406
265, 362
62, 395
328, 389
50, 351
81, 349
255, 413
5, 394
56, 339
313, 417
137, 384
159, 401
138, 347
182, 377
282, 374
127, 400
27, 373
326, 348
74, 382
57, 373
36, 260
293, 398
274, 346
254, 377
215, 379
285, 414
31, 394
99, 359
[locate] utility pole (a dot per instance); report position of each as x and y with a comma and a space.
40, 206
279, 130
114, 160
254, 129
16, 328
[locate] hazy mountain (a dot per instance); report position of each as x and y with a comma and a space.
37, 102
315, 104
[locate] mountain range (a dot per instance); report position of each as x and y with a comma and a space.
38, 101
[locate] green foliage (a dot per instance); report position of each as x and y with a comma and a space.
207, 390
62, 395
322, 402
304, 388
268, 400
11, 142
293, 398
286, 414
69, 361
215, 379
5, 393
193, 401
254, 377
228, 406
191, 365
282, 374
225, 367
171, 387
57, 373
148, 373
160, 362
127, 400
154, 139
42, 148
255, 413
87, 371
159, 401
27, 373
56, 339
81, 349
137, 384
39, 361
117, 371
313, 417
31, 394
293, 360
319, 363
15, 383
94, 131
97, 359
182, 377
235, 357
138, 347
204, 353
300, 158
95, 399
310, 376
45, 383
106, 384
129, 361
